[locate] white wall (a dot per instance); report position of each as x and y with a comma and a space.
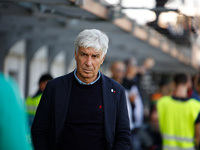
15, 63
58, 65
15, 66
38, 66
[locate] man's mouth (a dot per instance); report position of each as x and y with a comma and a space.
87, 71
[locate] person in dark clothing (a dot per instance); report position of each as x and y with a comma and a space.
152, 129
42, 83
134, 104
83, 110
196, 90
146, 84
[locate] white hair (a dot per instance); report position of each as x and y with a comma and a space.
92, 38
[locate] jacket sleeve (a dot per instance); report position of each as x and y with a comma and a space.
122, 133
40, 128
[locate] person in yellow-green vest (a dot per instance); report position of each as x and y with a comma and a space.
179, 117
33, 102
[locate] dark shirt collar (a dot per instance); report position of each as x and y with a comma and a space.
181, 99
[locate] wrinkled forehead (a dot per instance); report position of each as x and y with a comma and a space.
90, 50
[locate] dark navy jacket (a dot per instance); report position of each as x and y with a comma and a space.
52, 111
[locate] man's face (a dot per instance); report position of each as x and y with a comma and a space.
88, 62
43, 84
118, 70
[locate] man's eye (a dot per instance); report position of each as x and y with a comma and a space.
95, 56
83, 54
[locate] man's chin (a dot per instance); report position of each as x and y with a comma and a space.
86, 75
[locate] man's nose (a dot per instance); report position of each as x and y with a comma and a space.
89, 61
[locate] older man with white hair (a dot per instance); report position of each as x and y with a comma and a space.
83, 110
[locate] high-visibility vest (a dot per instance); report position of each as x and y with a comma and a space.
177, 122
32, 104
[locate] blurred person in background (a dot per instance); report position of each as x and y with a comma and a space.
152, 126
134, 105
164, 88
83, 110
14, 131
196, 88
33, 102
190, 85
131, 73
179, 117
146, 84
118, 71
152, 129
134, 99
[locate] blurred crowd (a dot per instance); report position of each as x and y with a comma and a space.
163, 113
